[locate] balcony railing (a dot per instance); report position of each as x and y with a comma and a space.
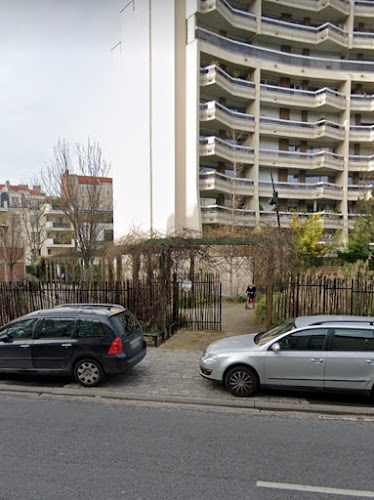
357, 191
357, 163
364, 8
218, 214
363, 40
304, 33
307, 98
317, 5
214, 181
331, 220
279, 57
236, 86
304, 130
236, 17
232, 152
362, 102
362, 133
300, 189
233, 119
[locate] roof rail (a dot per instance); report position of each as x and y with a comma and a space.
370, 322
92, 305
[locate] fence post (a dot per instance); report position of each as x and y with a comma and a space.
269, 305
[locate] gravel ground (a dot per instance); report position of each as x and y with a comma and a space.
236, 320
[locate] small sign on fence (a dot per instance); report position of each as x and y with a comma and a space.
187, 286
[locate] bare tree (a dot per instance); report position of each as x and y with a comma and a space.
85, 205
11, 242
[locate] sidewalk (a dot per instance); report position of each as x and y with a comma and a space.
171, 374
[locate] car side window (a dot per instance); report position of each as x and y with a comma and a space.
306, 340
91, 328
57, 328
353, 339
128, 321
21, 330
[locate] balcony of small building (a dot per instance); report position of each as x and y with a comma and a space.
59, 242
321, 130
58, 226
219, 214
321, 160
218, 83
361, 133
215, 149
324, 99
364, 9
326, 68
216, 183
221, 15
358, 191
362, 102
327, 7
221, 117
327, 35
361, 163
302, 190
330, 220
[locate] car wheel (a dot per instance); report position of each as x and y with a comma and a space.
88, 372
241, 381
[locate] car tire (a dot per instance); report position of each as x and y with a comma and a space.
88, 372
241, 381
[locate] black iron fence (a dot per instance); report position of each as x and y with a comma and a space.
158, 304
305, 295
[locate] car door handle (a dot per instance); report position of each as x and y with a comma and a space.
370, 361
25, 346
317, 360
66, 345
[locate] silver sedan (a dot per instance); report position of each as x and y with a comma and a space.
310, 352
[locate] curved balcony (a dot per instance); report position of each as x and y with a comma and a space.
299, 190
324, 98
218, 214
364, 8
212, 76
263, 55
220, 183
304, 161
361, 102
360, 163
358, 191
237, 18
362, 133
219, 149
326, 34
214, 112
302, 130
316, 5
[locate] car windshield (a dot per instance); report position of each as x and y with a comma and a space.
263, 338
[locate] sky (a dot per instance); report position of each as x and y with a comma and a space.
57, 80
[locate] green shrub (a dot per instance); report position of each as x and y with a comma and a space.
235, 300
260, 310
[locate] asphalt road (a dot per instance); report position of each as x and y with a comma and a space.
54, 449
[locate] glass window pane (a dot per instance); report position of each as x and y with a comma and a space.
21, 330
57, 328
90, 329
353, 339
306, 340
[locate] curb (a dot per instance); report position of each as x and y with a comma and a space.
352, 411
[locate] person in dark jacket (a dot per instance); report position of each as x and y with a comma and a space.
251, 295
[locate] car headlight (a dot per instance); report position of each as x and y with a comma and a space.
209, 357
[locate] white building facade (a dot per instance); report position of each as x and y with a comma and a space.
221, 96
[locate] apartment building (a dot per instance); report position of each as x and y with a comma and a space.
227, 95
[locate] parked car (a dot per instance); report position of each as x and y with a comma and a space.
328, 353
87, 341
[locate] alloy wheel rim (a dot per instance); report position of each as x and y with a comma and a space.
88, 373
240, 382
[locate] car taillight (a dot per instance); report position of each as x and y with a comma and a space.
116, 346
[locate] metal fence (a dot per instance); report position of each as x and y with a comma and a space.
159, 303
306, 295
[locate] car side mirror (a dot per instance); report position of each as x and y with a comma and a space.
6, 338
276, 347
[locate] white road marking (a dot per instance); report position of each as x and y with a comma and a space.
316, 489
